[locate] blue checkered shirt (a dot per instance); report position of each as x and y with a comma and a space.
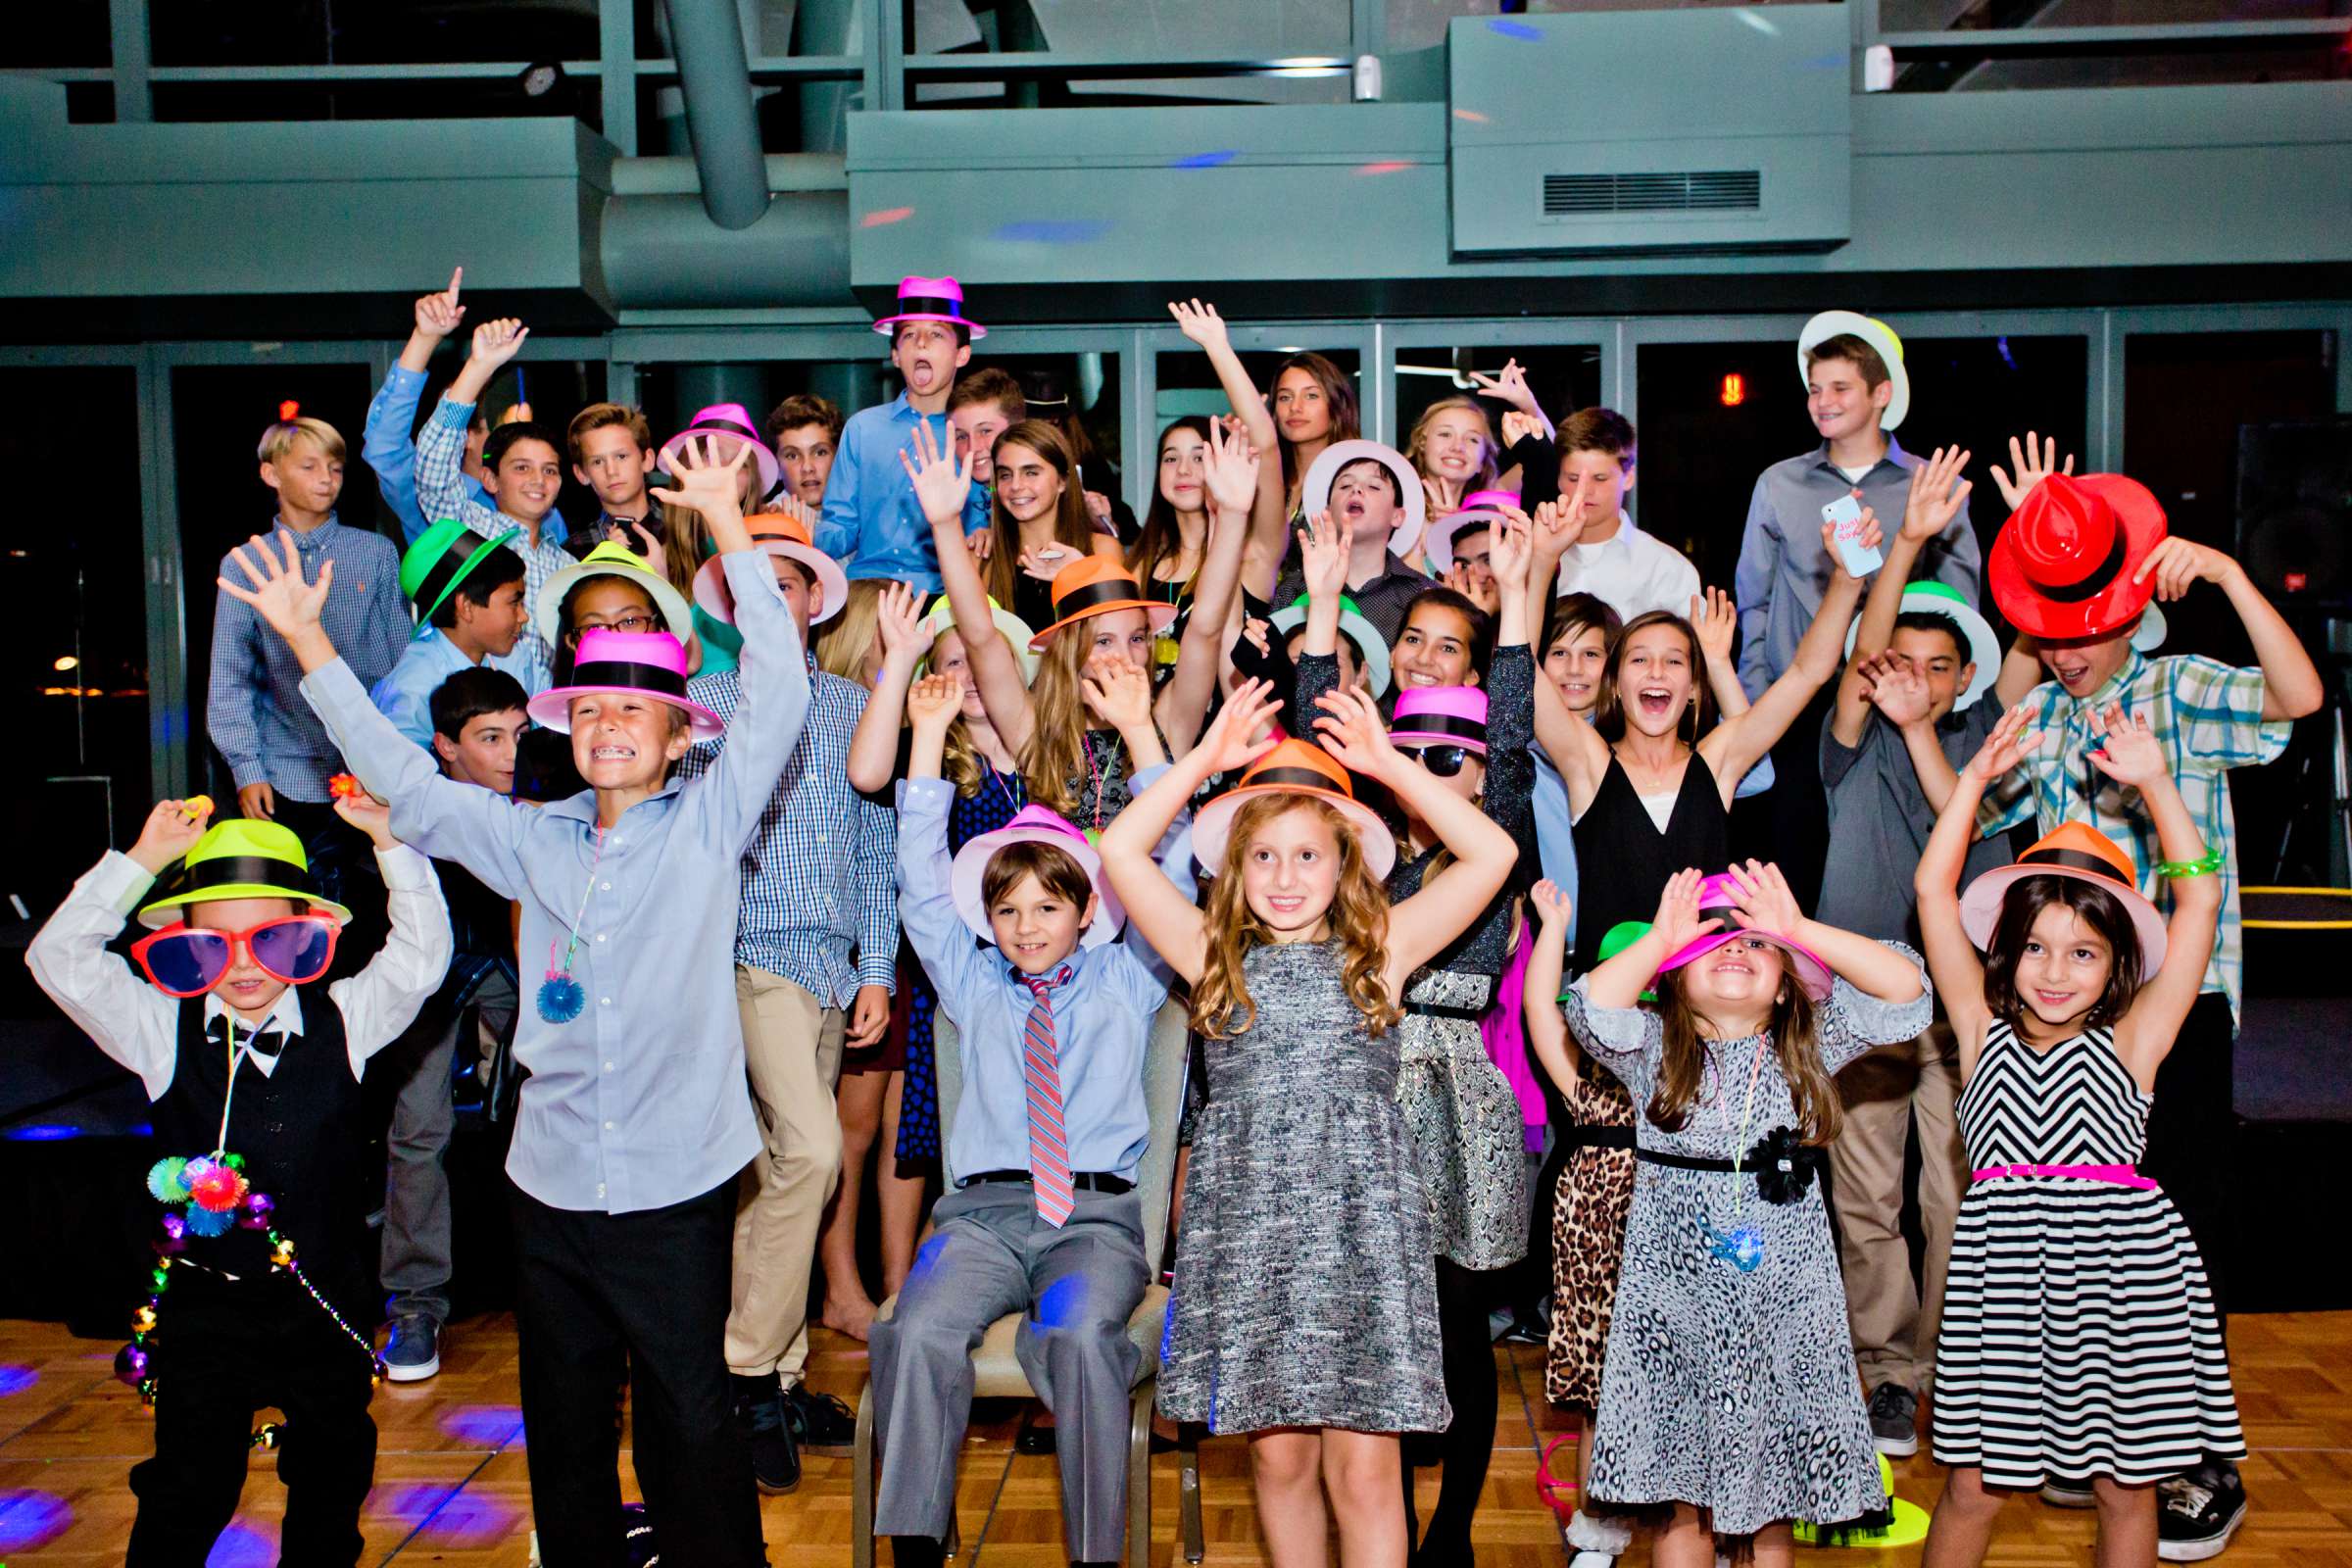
2208, 717
441, 492
253, 707
820, 901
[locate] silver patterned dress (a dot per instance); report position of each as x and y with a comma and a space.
1305, 1289
1731, 1391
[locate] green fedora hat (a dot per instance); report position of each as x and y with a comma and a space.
1928, 597
240, 859
1619, 937
443, 556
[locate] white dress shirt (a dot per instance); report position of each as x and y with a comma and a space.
1631, 572
139, 1026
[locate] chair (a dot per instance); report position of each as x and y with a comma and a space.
997, 1375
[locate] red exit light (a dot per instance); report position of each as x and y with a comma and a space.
1735, 390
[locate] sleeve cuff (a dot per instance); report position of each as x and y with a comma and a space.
453, 413
118, 881
406, 869
926, 795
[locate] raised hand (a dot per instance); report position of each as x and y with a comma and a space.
498, 341
2179, 565
1230, 471
933, 702
2128, 751
796, 508
1763, 901
1869, 537
1352, 731
171, 830
369, 815
1511, 387
1324, 546
647, 545
1550, 901
1517, 426
2006, 745
278, 594
1486, 594
899, 613
1560, 523
1897, 689
1045, 562
982, 544
439, 312
941, 484
1511, 550
1200, 323
2031, 467
1231, 742
1937, 493
1677, 922
1716, 620
703, 483
1117, 692
1097, 506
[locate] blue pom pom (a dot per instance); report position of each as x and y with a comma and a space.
209, 1222
560, 998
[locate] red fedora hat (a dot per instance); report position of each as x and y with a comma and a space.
2062, 566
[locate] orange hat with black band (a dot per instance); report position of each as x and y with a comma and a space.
1292, 768
1095, 585
2062, 567
2074, 850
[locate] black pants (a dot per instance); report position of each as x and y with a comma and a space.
2192, 1134
1467, 1445
640, 1299
225, 1350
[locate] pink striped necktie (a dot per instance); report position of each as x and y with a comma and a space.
1040, 1066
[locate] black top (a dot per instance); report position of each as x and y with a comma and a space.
1623, 862
1539, 464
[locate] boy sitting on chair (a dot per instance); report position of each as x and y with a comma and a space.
1052, 1027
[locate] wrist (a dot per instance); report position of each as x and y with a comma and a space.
150, 860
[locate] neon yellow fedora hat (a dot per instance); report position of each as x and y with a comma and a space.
240, 859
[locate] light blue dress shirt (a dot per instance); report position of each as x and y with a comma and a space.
388, 446
872, 524
1102, 1019
641, 1100
405, 695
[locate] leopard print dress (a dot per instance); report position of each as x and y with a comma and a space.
1589, 1204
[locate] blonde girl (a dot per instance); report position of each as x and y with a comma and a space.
1452, 448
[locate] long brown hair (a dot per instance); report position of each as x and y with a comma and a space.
1608, 711
1358, 918
1684, 1061
1416, 444
1161, 535
1339, 395
1072, 528
2097, 909
842, 642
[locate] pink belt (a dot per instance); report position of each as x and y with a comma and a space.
2111, 1175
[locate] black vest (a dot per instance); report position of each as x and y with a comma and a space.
304, 1140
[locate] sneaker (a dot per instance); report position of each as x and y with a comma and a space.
759, 1417
1893, 1420
820, 1423
2197, 1514
2068, 1491
413, 1350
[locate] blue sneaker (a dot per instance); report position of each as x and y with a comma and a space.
413, 1350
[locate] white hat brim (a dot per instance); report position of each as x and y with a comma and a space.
1983, 648
1879, 335
1315, 494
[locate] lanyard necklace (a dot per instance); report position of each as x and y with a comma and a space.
1742, 1245
561, 997
1095, 775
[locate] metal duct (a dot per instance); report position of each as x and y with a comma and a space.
659, 253
706, 39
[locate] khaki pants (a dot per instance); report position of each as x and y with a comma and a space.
792, 1050
1886, 1094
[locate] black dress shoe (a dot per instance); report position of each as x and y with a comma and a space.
759, 1417
821, 1423
1033, 1439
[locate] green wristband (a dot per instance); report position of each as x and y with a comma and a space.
2205, 864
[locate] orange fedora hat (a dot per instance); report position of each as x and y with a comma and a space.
2074, 850
1292, 768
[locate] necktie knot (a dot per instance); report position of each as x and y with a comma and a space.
1042, 984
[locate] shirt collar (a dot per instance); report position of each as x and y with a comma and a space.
1622, 539
581, 807
1895, 454
285, 1014
2114, 686
901, 409
1061, 978
305, 543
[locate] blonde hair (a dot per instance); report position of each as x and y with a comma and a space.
686, 536
279, 439
1058, 720
1359, 919
843, 643
1417, 444
960, 761
1684, 1060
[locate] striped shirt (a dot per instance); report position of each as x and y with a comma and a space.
2207, 717
441, 492
820, 904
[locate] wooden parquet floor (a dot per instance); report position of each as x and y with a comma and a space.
451, 1486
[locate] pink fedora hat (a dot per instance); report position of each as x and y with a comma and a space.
729, 421
930, 299
1440, 716
779, 534
1032, 824
1715, 902
651, 664
1480, 508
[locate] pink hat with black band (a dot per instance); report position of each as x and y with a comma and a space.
1440, 715
729, 421
1031, 825
930, 299
648, 664
1718, 900
1480, 508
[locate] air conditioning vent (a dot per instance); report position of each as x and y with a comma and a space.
1710, 190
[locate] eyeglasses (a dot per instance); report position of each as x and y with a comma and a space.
186, 960
628, 626
1442, 761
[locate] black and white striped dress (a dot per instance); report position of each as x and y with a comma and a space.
2079, 1331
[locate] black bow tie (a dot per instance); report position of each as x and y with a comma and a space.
265, 1044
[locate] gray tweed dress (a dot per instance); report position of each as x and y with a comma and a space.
1305, 1286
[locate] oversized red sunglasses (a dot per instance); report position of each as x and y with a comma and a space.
188, 960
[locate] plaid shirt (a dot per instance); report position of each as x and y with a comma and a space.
254, 709
441, 492
820, 874
2208, 717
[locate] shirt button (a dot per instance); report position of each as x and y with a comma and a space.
607, 1066
604, 1002
600, 1189
600, 936
607, 887
608, 1128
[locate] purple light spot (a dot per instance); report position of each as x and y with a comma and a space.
2007, 358
469, 1521
491, 1426
29, 1518
1063, 1302
41, 1133
1207, 159
16, 1379
1054, 230
1514, 30
414, 1504
242, 1546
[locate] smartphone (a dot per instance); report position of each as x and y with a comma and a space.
1846, 515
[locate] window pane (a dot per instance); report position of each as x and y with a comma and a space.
317, 32
76, 677
1564, 376
1942, 16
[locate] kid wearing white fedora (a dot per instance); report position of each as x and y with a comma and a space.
634, 1123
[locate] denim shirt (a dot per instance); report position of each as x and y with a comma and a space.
872, 523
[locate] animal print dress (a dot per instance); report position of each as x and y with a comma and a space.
1588, 1206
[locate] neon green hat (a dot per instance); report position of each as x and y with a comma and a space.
439, 560
610, 560
1903, 1524
240, 859
1371, 649
1619, 937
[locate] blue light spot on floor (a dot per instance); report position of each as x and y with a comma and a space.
1514, 30
16, 1379
29, 1518
1207, 159
471, 1522
1053, 230
489, 1425
242, 1546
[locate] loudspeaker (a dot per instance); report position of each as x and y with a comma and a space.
2295, 508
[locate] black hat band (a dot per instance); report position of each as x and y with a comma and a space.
1306, 778
720, 427
928, 304
445, 573
613, 675
2075, 860
1468, 729
1094, 595
2090, 587
231, 870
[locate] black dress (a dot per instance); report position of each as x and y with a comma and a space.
1624, 862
